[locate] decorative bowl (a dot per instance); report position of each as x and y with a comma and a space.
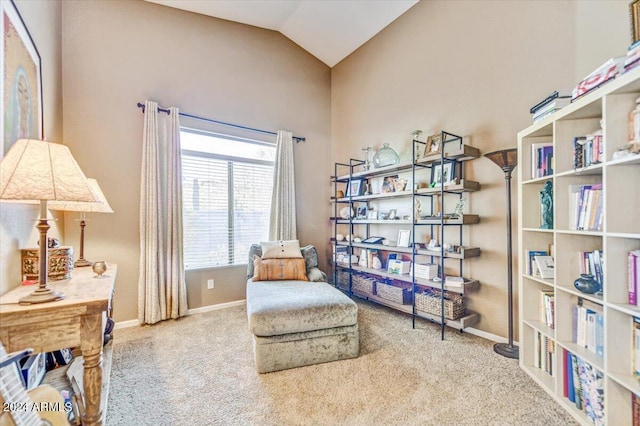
99, 267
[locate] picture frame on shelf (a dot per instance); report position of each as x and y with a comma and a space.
404, 238
21, 107
389, 184
372, 214
354, 188
392, 214
433, 145
634, 10
361, 213
442, 174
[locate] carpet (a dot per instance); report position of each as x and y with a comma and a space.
199, 370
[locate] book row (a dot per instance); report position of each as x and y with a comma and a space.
585, 207
588, 327
541, 160
592, 263
588, 150
547, 308
583, 385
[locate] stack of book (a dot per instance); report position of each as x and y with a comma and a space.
531, 268
603, 74
551, 104
633, 56
547, 308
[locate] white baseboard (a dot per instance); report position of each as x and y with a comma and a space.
216, 307
133, 323
488, 336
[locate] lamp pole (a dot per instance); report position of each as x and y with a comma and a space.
507, 160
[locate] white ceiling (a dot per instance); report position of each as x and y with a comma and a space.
328, 29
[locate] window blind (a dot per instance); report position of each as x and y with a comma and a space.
226, 206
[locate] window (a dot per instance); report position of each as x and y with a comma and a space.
226, 197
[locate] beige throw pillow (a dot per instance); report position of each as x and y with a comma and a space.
279, 269
281, 249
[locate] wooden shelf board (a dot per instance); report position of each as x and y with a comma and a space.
537, 230
464, 153
377, 196
543, 379
548, 282
541, 327
374, 222
577, 232
406, 250
464, 186
572, 290
467, 286
403, 308
626, 308
594, 169
630, 236
468, 320
465, 219
628, 381
539, 180
626, 160
466, 253
584, 353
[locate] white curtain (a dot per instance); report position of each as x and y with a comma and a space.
282, 225
162, 290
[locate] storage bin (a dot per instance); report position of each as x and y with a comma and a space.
429, 301
397, 291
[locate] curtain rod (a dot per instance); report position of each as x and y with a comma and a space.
184, 114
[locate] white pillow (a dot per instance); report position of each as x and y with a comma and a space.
281, 249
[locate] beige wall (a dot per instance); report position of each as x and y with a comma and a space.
117, 53
473, 68
17, 222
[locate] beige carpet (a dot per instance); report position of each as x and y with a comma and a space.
199, 371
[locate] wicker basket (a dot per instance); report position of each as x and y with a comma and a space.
429, 301
398, 292
342, 280
363, 284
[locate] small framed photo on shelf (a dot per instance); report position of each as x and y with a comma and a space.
389, 184
361, 212
433, 145
354, 188
442, 174
372, 214
404, 237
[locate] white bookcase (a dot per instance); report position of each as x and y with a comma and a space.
608, 108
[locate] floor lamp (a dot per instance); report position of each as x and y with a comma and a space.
32, 171
102, 206
507, 160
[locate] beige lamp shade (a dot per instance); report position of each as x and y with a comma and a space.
39, 170
82, 206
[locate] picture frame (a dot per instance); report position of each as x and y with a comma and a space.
433, 145
634, 11
361, 212
392, 214
389, 184
373, 240
372, 214
354, 188
21, 88
404, 238
442, 174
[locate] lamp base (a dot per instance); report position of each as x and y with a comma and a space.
82, 262
507, 350
41, 295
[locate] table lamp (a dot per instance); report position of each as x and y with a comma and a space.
84, 207
507, 160
34, 170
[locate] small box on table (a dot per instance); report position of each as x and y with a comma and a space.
396, 266
426, 271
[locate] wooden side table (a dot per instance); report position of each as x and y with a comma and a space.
76, 321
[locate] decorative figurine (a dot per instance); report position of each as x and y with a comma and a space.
546, 206
99, 267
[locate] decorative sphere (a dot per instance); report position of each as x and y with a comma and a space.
100, 267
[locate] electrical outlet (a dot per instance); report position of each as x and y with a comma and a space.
210, 284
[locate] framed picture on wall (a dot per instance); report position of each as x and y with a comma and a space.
21, 88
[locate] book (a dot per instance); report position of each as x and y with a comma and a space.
635, 409
636, 347
555, 104
545, 266
541, 158
633, 264
569, 377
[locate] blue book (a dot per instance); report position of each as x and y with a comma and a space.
600, 335
569, 377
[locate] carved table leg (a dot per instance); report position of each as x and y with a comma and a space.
91, 345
